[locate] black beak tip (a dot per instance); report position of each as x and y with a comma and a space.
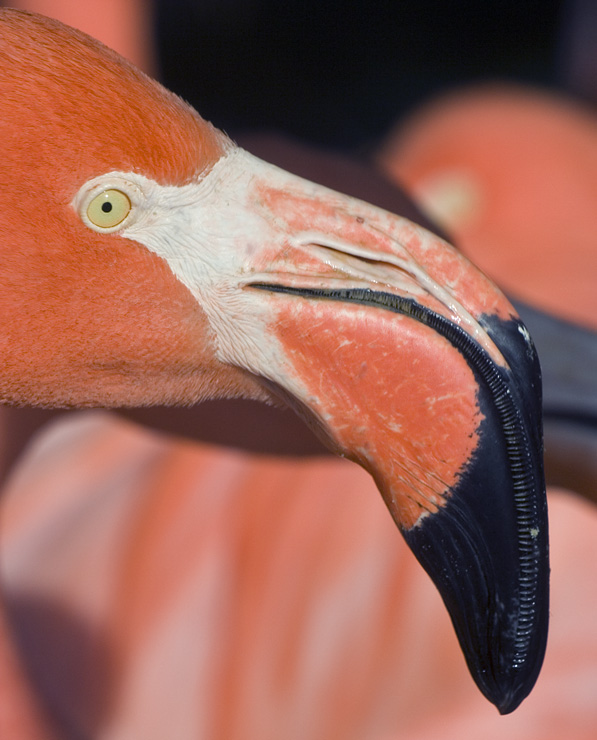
487, 548
505, 692
502, 675
507, 687
498, 603
510, 694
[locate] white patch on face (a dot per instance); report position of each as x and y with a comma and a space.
209, 234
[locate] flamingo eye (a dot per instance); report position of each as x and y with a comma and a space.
108, 209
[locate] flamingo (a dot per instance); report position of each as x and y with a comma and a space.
148, 259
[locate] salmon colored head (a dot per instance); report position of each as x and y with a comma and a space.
146, 259
73, 109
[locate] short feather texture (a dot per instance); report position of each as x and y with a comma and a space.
111, 324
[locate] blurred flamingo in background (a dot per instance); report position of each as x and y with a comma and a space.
509, 171
278, 603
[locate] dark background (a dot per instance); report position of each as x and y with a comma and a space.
338, 74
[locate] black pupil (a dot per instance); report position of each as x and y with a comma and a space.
106, 207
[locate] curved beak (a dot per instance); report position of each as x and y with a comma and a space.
407, 360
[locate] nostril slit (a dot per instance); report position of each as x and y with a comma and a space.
349, 257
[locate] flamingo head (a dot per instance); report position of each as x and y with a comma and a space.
147, 259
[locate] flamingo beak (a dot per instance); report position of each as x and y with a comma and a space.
407, 360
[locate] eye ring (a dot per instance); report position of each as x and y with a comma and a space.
108, 209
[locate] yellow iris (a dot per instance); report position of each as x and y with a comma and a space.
108, 209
